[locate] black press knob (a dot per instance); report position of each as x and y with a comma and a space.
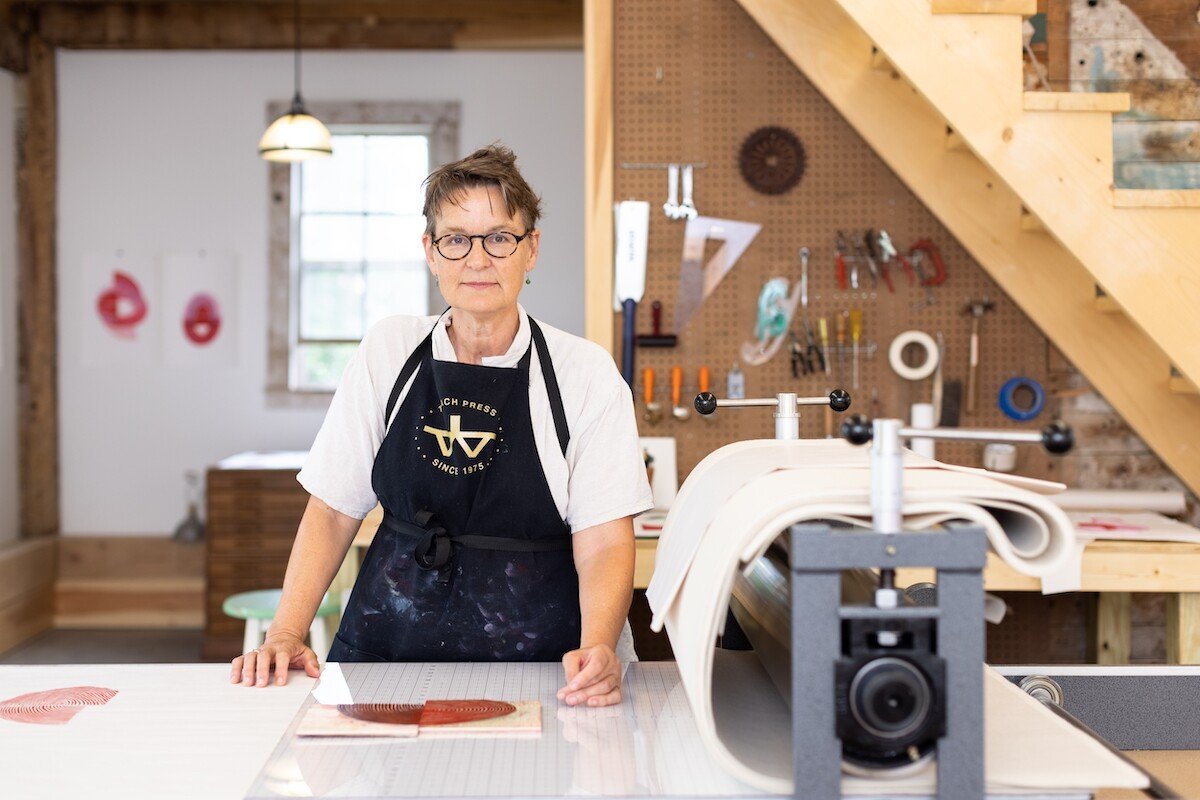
1058, 438
839, 400
706, 403
857, 429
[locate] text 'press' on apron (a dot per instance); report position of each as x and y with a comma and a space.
472, 561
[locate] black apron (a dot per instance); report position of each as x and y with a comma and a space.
473, 561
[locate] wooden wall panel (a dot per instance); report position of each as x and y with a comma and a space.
26, 590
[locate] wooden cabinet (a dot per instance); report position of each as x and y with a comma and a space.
254, 508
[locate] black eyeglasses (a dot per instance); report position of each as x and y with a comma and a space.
457, 246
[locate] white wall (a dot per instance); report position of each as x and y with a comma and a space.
9, 509
157, 153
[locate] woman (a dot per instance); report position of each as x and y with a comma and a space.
504, 453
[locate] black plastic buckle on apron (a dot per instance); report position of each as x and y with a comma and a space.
435, 546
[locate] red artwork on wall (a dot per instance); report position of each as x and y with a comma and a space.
121, 306
54, 706
202, 319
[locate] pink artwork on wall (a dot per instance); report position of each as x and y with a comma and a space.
202, 319
122, 306
54, 706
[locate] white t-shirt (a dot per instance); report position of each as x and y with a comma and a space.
601, 479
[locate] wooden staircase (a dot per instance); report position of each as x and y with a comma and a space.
1024, 181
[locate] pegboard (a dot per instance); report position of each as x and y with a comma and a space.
693, 78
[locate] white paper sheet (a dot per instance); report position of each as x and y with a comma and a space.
779, 483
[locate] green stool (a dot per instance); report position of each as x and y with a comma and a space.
258, 609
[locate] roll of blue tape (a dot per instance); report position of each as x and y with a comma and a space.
1007, 399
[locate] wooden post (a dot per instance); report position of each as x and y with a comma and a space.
598, 163
1114, 631
1183, 628
37, 144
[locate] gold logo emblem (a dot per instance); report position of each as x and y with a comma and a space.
447, 438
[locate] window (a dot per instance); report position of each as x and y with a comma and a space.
356, 247
351, 240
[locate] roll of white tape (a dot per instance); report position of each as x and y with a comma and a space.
922, 370
921, 416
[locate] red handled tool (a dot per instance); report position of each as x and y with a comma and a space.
840, 258
930, 250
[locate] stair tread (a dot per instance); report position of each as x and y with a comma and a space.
1026, 8
1156, 198
1077, 101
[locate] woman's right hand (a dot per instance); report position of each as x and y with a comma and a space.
279, 651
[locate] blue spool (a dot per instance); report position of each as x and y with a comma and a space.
1007, 399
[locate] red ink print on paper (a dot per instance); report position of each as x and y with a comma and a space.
121, 306
202, 319
54, 706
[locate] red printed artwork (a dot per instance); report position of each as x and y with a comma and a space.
433, 718
202, 319
121, 306
54, 706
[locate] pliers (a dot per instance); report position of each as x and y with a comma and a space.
872, 254
862, 255
840, 258
800, 359
890, 252
812, 350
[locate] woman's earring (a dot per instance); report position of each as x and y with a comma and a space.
435, 279
527, 281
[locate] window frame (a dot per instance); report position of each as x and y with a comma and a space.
439, 120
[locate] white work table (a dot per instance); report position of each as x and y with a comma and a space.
183, 731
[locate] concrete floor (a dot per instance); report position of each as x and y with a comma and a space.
68, 646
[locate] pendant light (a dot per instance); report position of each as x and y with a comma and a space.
297, 135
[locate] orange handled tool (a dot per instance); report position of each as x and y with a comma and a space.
653, 408
704, 379
681, 412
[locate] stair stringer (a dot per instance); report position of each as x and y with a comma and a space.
968, 66
1041, 276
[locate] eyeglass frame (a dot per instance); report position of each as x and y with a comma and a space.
482, 237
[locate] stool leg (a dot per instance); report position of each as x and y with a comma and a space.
319, 638
253, 637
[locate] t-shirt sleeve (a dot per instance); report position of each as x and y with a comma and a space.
607, 474
339, 464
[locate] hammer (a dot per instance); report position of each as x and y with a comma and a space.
976, 308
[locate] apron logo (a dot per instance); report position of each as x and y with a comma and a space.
447, 438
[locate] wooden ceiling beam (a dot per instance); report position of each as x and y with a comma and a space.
450, 24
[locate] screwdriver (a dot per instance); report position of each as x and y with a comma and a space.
824, 328
855, 336
841, 345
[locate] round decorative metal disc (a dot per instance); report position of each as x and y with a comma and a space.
772, 160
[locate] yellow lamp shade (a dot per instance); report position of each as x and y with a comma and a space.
295, 136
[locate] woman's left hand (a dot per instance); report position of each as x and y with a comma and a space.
593, 677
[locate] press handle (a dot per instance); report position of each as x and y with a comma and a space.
1056, 438
839, 400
